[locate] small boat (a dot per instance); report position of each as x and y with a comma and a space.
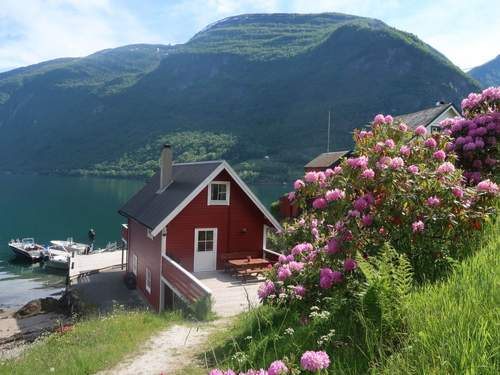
58, 259
69, 245
27, 249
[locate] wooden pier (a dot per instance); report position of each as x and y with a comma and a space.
81, 264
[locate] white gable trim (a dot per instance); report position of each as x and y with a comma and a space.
444, 115
223, 166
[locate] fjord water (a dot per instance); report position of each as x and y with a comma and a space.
53, 207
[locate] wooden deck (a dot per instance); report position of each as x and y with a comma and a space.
229, 295
86, 264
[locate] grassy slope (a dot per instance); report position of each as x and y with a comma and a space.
453, 328
93, 345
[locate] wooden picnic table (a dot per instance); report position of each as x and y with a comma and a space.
239, 264
247, 267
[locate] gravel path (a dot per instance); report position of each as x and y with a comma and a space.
168, 351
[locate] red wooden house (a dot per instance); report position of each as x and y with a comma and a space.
189, 218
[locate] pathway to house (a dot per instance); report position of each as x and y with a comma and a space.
174, 348
169, 351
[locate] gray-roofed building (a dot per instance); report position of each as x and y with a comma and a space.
325, 160
429, 117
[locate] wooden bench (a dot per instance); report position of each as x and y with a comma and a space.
255, 272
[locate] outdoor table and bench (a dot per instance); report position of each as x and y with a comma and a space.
248, 266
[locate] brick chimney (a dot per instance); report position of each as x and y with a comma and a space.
165, 167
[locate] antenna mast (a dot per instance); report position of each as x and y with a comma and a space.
328, 138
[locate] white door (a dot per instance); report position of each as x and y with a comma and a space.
205, 249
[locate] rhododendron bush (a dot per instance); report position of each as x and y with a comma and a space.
403, 187
476, 134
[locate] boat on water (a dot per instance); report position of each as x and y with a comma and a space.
69, 245
57, 259
27, 249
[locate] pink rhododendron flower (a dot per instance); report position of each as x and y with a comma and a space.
319, 203
457, 192
350, 264
284, 273
413, 169
389, 143
302, 247
333, 246
311, 177
325, 278
488, 186
418, 226
277, 368
314, 361
354, 213
337, 170
405, 150
291, 196
403, 127
359, 162
433, 201
296, 266
334, 195
360, 204
329, 172
299, 290
445, 168
430, 143
379, 119
368, 174
337, 277
384, 162
388, 119
299, 184
440, 155
421, 130
265, 289
397, 163
367, 220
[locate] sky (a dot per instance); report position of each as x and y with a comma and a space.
31, 31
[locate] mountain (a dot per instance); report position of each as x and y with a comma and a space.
254, 88
487, 74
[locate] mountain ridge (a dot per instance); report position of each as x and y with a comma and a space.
268, 81
488, 74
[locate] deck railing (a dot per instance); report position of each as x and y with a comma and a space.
182, 282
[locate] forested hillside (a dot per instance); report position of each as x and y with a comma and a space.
263, 81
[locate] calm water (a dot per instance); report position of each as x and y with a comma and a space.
51, 207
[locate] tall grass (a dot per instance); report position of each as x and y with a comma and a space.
454, 326
93, 344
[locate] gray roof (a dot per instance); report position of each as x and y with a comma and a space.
150, 208
423, 117
326, 159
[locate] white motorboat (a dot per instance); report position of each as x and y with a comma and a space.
69, 245
27, 249
56, 258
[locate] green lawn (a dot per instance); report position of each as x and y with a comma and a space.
93, 345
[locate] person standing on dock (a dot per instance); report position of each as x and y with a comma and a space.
91, 235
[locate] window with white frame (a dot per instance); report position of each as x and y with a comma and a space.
205, 240
148, 280
218, 193
164, 241
149, 233
435, 129
134, 264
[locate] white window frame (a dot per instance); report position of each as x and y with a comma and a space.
264, 237
148, 280
218, 202
135, 261
149, 234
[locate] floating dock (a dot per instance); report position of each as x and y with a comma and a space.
81, 264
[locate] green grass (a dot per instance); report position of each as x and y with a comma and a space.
454, 326
451, 327
94, 344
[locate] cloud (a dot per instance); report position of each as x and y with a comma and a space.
32, 31
36, 30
